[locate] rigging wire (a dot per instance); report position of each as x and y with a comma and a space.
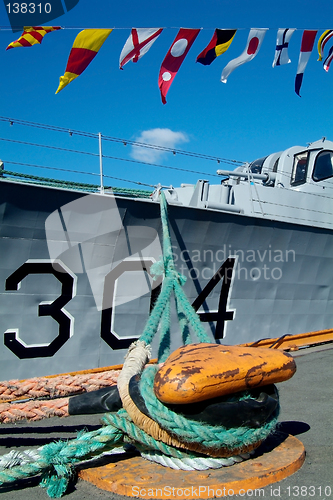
130, 142
57, 148
112, 139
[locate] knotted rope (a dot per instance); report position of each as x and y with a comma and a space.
173, 435
215, 441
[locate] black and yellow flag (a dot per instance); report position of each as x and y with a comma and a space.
219, 44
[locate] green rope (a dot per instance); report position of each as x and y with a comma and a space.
172, 283
193, 431
57, 459
123, 422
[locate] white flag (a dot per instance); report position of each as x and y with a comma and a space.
137, 44
253, 45
281, 50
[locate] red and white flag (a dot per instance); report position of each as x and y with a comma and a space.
307, 43
253, 45
138, 44
174, 58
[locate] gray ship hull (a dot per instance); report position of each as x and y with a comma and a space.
76, 286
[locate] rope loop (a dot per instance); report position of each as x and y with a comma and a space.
210, 438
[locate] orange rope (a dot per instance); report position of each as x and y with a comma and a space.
59, 387
54, 387
33, 410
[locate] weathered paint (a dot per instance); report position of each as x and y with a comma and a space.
198, 372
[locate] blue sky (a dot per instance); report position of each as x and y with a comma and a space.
254, 114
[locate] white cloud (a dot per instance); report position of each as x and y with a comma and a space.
158, 137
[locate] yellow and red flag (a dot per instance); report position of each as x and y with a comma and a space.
85, 47
32, 35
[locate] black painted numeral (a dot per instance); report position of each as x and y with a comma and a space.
55, 309
224, 274
107, 334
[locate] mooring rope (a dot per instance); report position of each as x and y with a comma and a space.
193, 463
14, 458
213, 440
33, 410
44, 396
54, 387
56, 461
172, 283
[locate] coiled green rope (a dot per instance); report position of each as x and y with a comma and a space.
192, 431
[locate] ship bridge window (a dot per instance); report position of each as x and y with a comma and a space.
256, 165
323, 168
300, 168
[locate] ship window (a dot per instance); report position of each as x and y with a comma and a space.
323, 168
256, 165
300, 168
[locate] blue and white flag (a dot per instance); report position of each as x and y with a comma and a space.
281, 50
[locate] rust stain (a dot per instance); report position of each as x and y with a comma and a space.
227, 374
253, 378
190, 370
290, 366
185, 361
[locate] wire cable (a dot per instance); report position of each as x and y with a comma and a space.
130, 142
67, 150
